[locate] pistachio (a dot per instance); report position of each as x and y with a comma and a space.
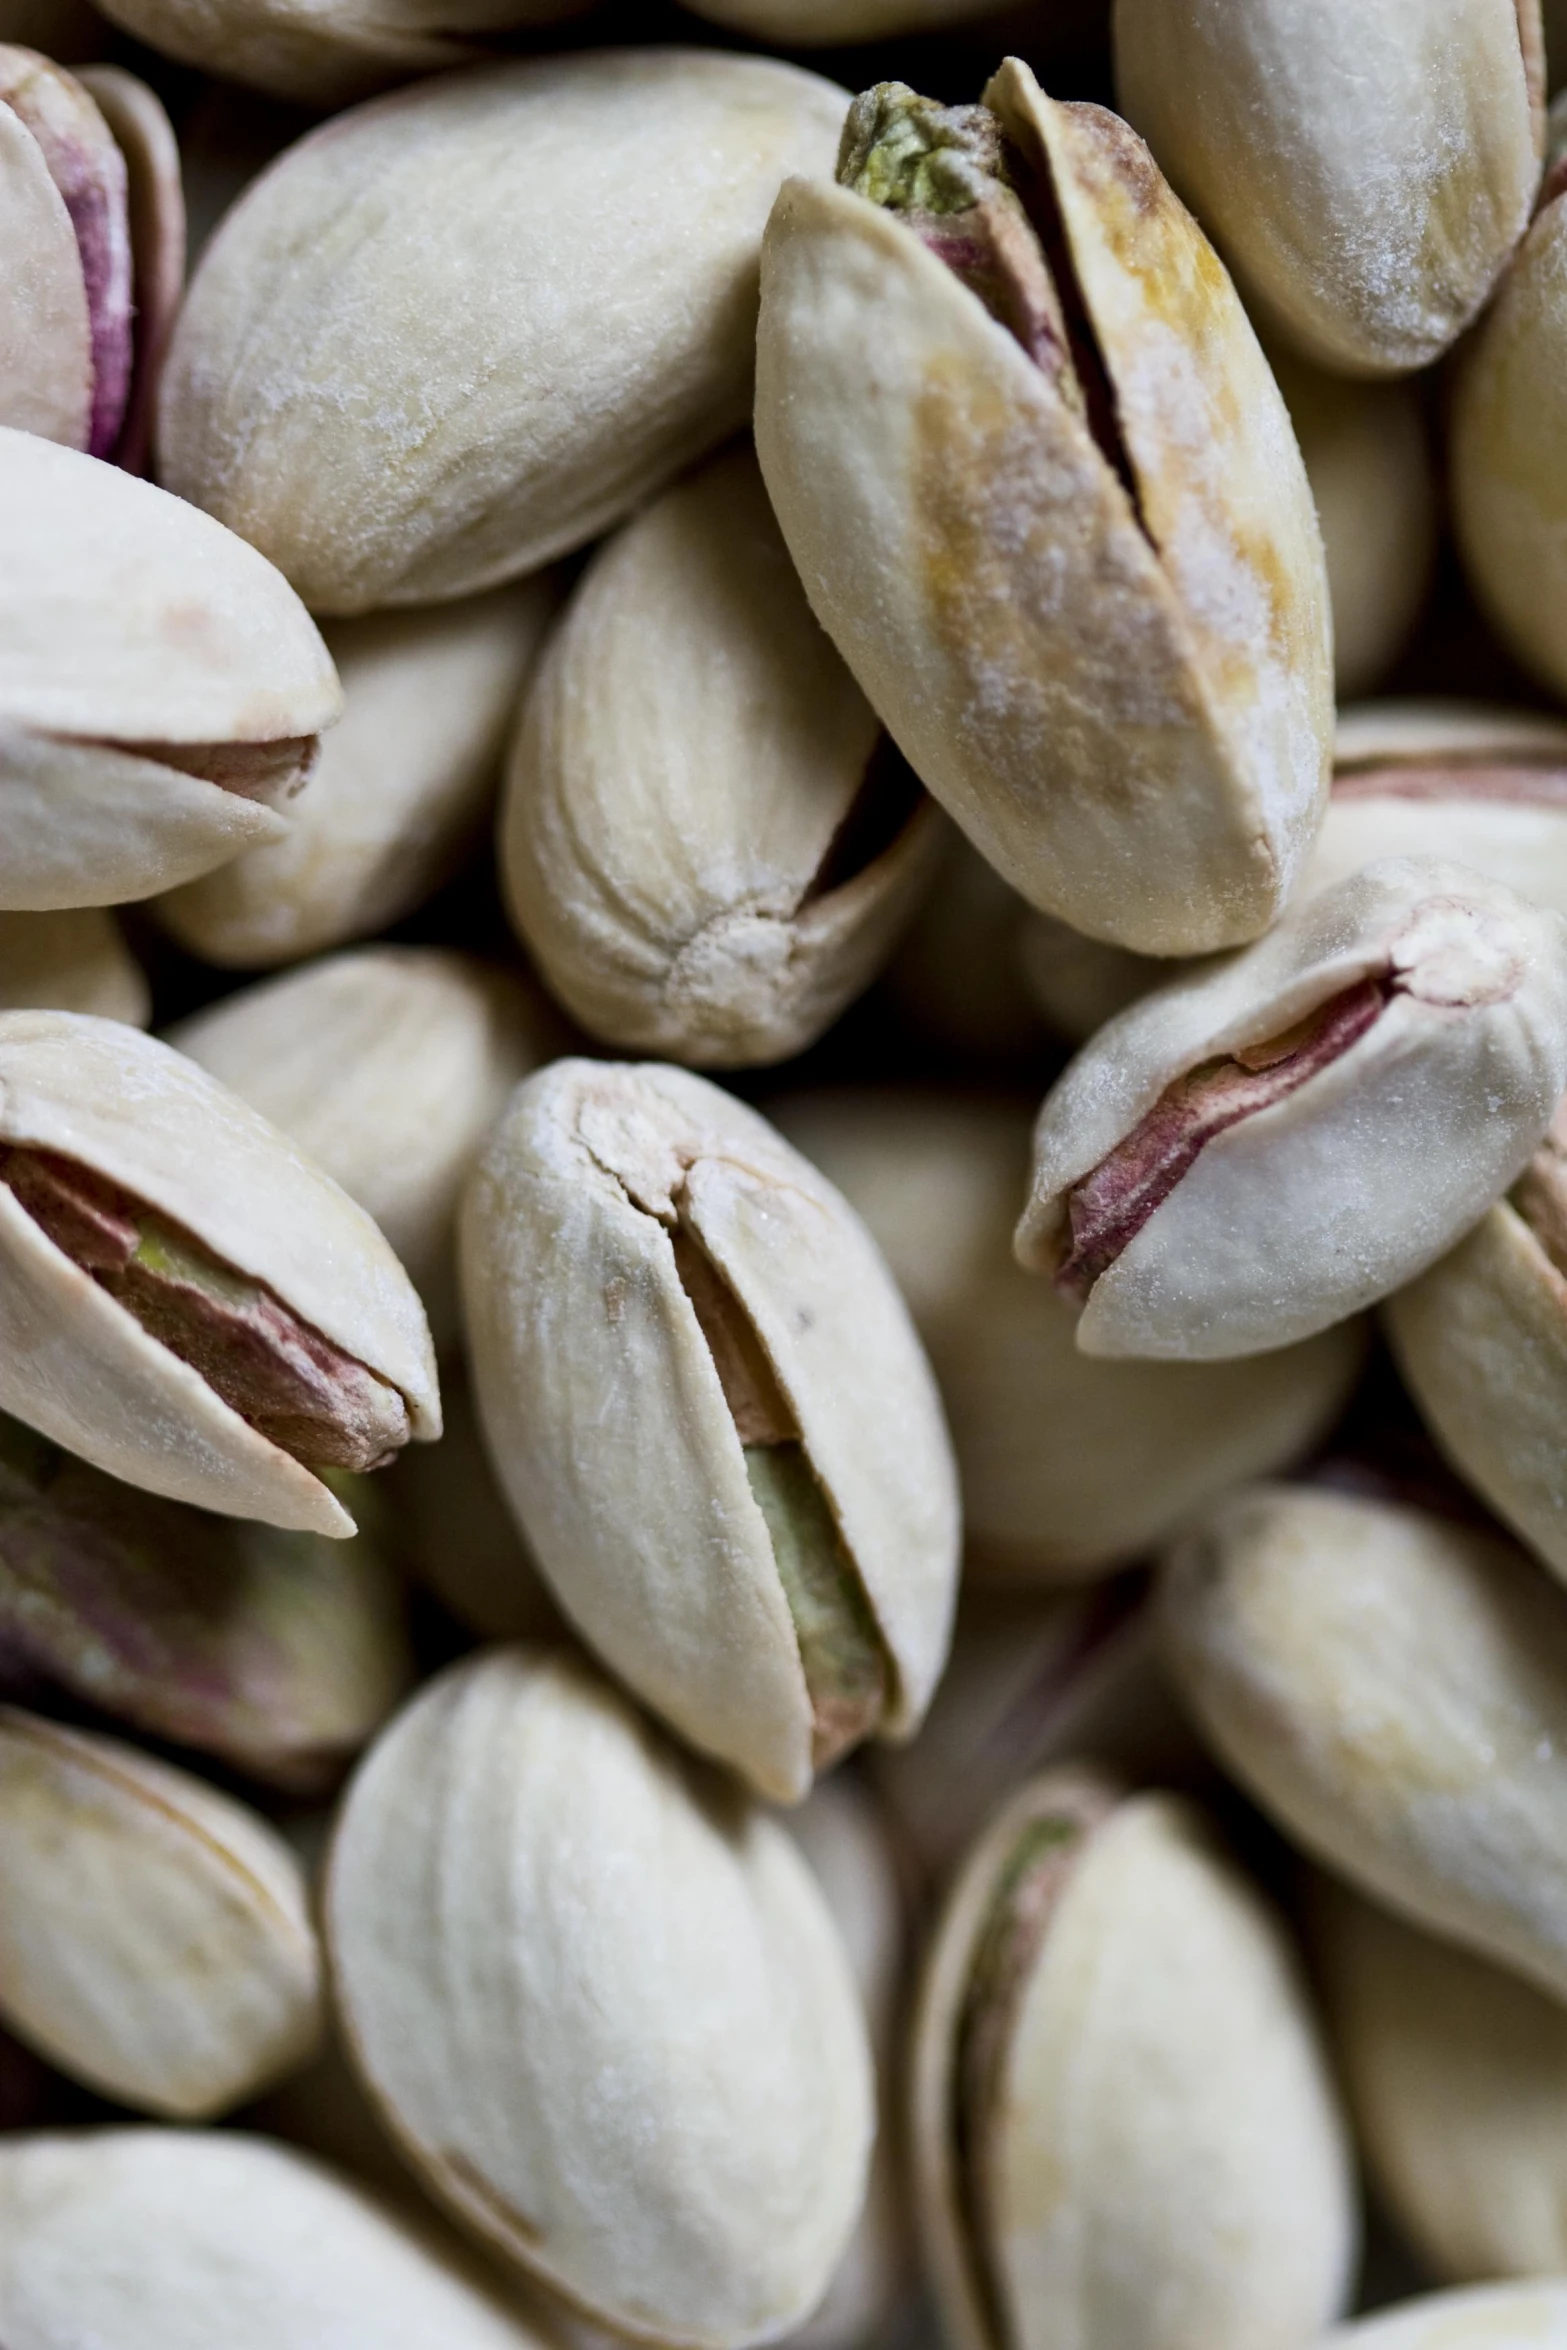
1367, 172
1487, 2317
1109, 2015
184, 1299
144, 2239
1393, 1688
74, 960
708, 1409
602, 2004
403, 788
388, 1066
570, 326
1226, 1166
706, 843
1044, 495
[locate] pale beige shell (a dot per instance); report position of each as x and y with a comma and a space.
45, 368
1486, 2317
1367, 169
569, 325
602, 2004
609, 1429
76, 1365
71, 961
155, 1938
401, 791
689, 758
157, 2239
1393, 1688
1127, 708
1458, 1075
1170, 2165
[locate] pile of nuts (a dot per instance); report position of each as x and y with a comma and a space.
757, 1691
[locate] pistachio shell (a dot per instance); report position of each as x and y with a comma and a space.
570, 326
1394, 1688
608, 1198
1368, 169
162, 2239
1487, 2317
45, 367
76, 1365
71, 961
602, 2004
402, 789
1125, 705
145, 137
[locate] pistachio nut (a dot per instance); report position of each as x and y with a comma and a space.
1457, 2076
455, 1533
707, 844
185, 1300
1111, 2015
161, 687
602, 2004
956, 979
708, 1408
154, 1936
1486, 2317
1043, 493
1366, 170
1068, 1466
399, 419
73, 960
147, 2239
1393, 1688
401, 793
388, 1066
1226, 1166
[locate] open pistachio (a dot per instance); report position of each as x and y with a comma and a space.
402, 790
400, 419
1226, 1166
73, 960
602, 2004
707, 843
1124, 2131
1044, 495
1393, 1688
708, 1408
1486, 2317
161, 687
1367, 170
185, 1300
154, 1935
154, 2239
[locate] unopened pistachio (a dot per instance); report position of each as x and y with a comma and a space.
1228, 1165
399, 418
1068, 1466
1043, 493
154, 1935
1486, 2317
161, 687
707, 843
602, 2004
454, 1532
1393, 1687
147, 2239
388, 1066
706, 1403
74, 960
400, 794
1367, 169
185, 1300
1124, 2128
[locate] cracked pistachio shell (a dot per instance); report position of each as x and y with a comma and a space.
73, 960
154, 673
1127, 706
533, 282
624, 1222
1225, 1167
1124, 2128
602, 2004
155, 1938
77, 1366
1367, 170
388, 1066
1457, 2077
704, 843
1486, 2317
146, 2239
1068, 1466
1393, 1688
402, 790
